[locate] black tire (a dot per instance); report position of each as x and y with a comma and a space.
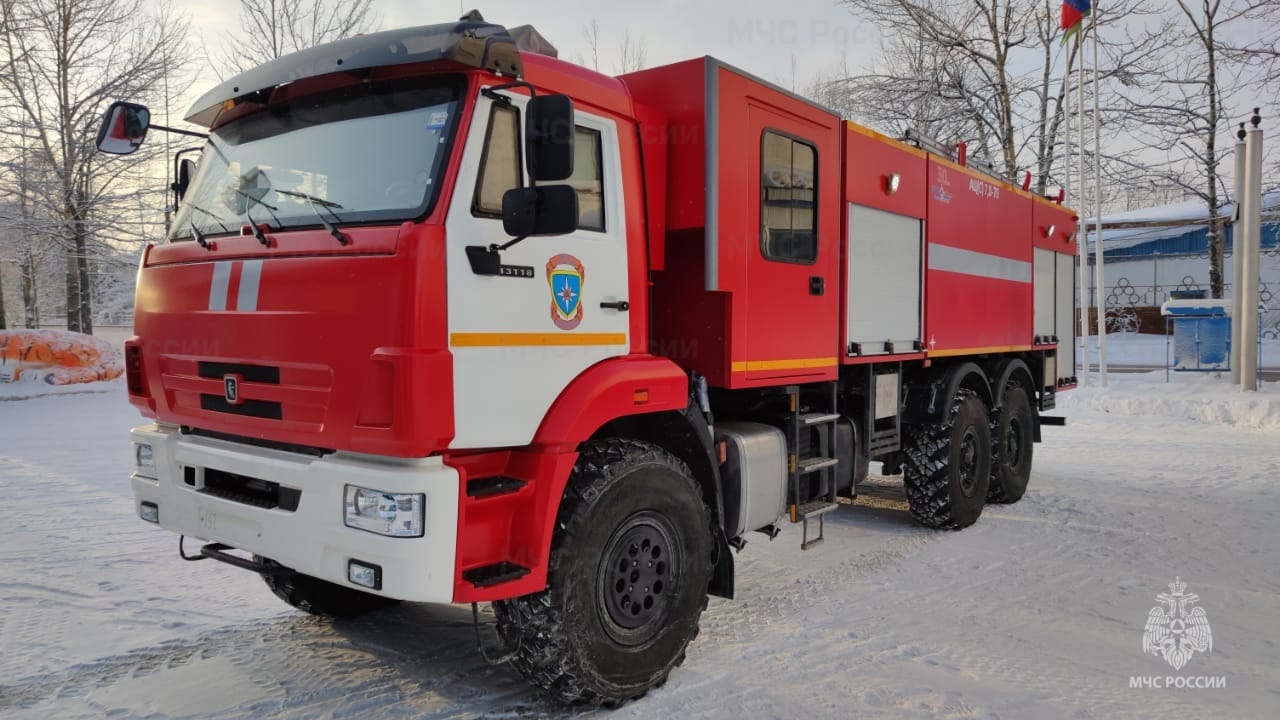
1013, 437
321, 597
947, 466
592, 636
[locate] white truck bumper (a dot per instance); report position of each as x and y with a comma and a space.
313, 539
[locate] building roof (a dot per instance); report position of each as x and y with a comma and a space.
1177, 229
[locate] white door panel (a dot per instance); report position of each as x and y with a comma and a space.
511, 358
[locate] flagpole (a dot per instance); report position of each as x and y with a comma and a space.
1080, 366
1082, 224
1098, 281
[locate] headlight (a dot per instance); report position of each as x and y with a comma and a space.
366, 501
384, 513
143, 455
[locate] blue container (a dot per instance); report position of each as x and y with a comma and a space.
1202, 343
1201, 334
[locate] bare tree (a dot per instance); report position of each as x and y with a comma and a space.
1219, 55
61, 62
271, 28
989, 72
591, 34
918, 86
976, 40
633, 54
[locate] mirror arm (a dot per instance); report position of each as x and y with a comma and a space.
493, 93
177, 131
499, 248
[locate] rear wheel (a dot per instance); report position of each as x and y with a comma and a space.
321, 597
626, 581
1013, 435
947, 467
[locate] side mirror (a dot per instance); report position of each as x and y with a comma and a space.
540, 210
549, 135
186, 169
124, 127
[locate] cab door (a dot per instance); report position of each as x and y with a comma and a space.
519, 338
792, 281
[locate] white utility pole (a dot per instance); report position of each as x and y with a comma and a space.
1100, 287
1237, 257
1252, 217
1081, 225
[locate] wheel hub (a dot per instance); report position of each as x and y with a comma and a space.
1013, 442
968, 467
636, 579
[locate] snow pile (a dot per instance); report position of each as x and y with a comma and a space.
1142, 350
1199, 397
32, 362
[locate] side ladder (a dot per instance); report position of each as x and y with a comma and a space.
811, 461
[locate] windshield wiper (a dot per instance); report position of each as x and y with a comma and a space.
257, 229
195, 231
316, 204
199, 236
216, 218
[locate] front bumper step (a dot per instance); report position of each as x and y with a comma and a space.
220, 552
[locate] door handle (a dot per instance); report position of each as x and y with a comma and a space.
816, 285
619, 305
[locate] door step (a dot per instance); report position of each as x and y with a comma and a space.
490, 575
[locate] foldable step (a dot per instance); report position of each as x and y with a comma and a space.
491, 486
495, 574
808, 419
813, 509
815, 464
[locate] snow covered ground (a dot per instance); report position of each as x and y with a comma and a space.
1035, 612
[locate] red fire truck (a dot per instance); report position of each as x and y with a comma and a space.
441, 320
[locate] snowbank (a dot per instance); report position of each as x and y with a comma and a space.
40, 362
1143, 350
1199, 397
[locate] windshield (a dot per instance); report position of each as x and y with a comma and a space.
364, 154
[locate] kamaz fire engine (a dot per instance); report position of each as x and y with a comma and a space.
443, 320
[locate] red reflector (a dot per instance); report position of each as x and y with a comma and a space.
133, 368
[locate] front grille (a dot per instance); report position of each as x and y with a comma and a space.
294, 394
251, 373
251, 408
250, 491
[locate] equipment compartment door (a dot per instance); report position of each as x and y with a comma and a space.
791, 327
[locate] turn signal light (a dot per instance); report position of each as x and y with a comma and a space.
133, 368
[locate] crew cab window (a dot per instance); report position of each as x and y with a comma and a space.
500, 161
788, 199
588, 179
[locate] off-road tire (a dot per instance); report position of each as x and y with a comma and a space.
1012, 437
567, 638
321, 597
947, 466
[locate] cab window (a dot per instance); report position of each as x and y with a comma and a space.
500, 162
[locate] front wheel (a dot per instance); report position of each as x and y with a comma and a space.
626, 581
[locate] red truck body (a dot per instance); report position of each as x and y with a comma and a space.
755, 256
